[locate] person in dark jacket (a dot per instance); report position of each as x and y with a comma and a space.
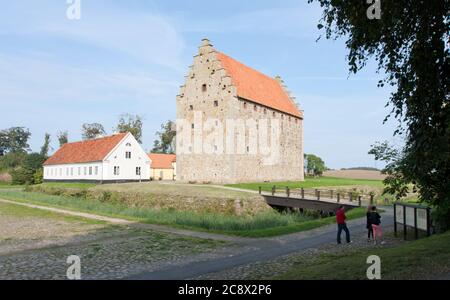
369, 224
342, 225
375, 220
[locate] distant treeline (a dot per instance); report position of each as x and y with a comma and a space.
362, 169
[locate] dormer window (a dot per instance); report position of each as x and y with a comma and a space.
204, 88
128, 145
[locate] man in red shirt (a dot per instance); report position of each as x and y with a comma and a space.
342, 225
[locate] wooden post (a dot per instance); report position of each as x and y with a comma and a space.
428, 223
331, 193
288, 192
395, 219
371, 199
405, 228
273, 190
260, 190
338, 197
318, 195
359, 201
316, 192
303, 193
350, 197
416, 230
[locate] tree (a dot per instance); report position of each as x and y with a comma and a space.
132, 124
14, 139
46, 146
166, 142
92, 131
409, 42
63, 138
26, 173
395, 182
314, 165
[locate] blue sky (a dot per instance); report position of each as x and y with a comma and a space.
132, 56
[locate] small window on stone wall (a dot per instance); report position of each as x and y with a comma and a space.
216, 103
255, 108
245, 105
191, 107
265, 111
274, 114
204, 88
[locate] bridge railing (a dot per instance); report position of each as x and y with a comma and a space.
321, 194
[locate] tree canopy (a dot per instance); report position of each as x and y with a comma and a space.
46, 146
14, 139
63, 138
314, 165
132, 124
92, 131
166, 139
410, 43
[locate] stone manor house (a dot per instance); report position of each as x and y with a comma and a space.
220, 88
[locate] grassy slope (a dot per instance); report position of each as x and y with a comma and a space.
7, 209
74, 185
422, 259
262, 225
311, 183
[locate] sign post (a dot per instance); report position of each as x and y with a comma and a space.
415, 216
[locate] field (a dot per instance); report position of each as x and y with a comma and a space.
355, 174
321, 182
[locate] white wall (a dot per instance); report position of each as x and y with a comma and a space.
74, 171
104, 171
127, 166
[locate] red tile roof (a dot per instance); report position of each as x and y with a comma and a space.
162, 161
257, 87
85, 151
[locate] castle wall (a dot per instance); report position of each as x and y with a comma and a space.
210, 95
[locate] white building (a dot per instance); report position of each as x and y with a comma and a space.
112, 159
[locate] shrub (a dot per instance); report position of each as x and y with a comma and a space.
38, 176
21, 176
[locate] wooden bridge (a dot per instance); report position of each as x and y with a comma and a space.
324, 201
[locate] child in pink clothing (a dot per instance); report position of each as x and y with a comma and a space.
375, 220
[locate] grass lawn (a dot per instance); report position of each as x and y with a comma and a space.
7, 185
261, 225
20, 211
422, 259
311, 183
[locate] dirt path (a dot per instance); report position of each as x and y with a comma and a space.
117, 221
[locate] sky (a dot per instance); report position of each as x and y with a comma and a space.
132, 56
